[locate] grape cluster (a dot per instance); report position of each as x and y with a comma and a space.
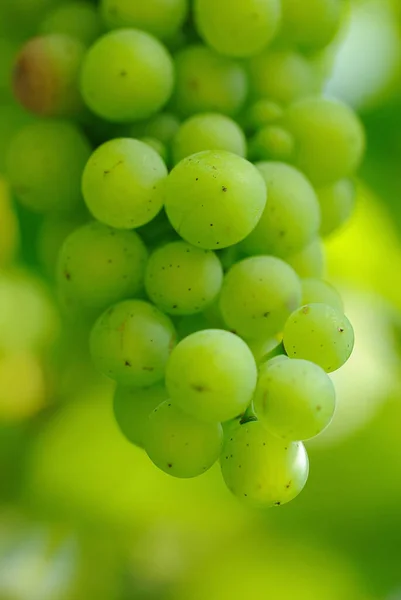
197, 137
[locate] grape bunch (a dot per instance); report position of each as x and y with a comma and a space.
188, 164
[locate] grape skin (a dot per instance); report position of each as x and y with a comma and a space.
294, 399
291, 218
258, 295
99, 265
127, 75
179, 444
182, 279
260, 469
131, 342
239, 29
214, 199
122, 181
321, 334
211, 375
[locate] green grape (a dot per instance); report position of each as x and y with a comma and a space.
261, 469
132, 407
45, 163
122, 181
99, 266
208, 82
211, 375
337, 203
179, 444
181, 279
53, 230
282, 76
312, 24
264, 349
162, 127
271, 142
208, 131
329, 139
46, 76
127, 75
316, 291
12, 119
294, 399
310, 261
214, 199
321, 334
261, 113
242, 28
131, 342
258, 295
157, 145
161, 18
77, 19
291, 218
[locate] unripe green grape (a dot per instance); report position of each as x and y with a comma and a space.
329, 139
99, 265
46, 75
211, 375
122, 182
321, 334
131, 342
45, 163
161, 18
179, 444
214, 199
271, 142
208, 131
291, 217
208, 82
312, 24
258, 295
260, 469
127, 75
132, 407
181, 279
294, 399
76, 19
241, 28
261, 113
282, 76
316, 291
310, 261
337, 202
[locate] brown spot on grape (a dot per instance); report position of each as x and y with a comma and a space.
224, 189
169, 465
306, 310
67, 275
340, 329
150, 369
127, 363
198, 387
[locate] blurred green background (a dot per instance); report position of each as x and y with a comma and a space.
84, 515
